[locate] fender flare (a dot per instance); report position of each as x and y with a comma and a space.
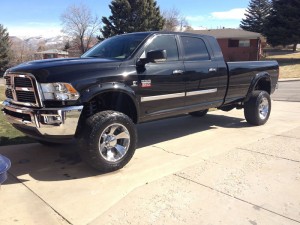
91, 92
258, 77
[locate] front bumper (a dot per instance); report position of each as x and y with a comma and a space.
44, 123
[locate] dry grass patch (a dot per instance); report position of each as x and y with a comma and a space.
289, 64
8, 134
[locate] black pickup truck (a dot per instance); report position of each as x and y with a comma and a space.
129, 79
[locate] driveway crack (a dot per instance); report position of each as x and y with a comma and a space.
242, 200
64, 218
278, 157
285, 136
173, 153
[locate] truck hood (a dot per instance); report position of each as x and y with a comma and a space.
67, 69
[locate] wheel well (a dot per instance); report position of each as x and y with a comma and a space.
117, 101
263, 84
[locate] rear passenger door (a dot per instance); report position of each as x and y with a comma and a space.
201, 73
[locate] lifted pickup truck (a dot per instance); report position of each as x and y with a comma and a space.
129, 79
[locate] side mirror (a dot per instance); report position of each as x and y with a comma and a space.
156, 56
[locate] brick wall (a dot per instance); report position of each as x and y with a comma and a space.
239, 53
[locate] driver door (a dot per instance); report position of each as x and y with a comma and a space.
162, 84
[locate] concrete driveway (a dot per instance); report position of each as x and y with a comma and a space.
211, 170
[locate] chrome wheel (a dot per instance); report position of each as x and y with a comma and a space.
263, 108
114, 142
258, 108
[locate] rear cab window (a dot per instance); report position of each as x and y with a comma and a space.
194, 49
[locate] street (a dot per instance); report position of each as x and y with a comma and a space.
211, 170
288, 91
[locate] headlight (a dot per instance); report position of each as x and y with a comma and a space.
59, 91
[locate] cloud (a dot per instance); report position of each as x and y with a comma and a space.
199, 28
233, 14
195, 18
35, 29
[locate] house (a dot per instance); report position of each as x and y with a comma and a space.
237, 44
52, 53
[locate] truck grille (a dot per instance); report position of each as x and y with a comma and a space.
22, 90
25, 96
23, 82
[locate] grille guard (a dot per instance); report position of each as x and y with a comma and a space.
47, 122
13, 88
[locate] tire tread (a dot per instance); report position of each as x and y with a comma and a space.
251, 108
88, 141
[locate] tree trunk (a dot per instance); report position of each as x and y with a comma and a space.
294, 47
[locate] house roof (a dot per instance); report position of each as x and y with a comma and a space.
54, 51
229, 33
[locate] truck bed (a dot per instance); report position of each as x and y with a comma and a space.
241, 74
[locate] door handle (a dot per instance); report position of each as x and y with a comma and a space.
212, 70
177, 72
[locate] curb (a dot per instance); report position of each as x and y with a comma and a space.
289, 79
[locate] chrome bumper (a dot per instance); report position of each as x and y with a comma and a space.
51, 122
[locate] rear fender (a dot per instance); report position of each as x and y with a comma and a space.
263, 76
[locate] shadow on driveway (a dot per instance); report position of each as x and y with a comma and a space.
62, 162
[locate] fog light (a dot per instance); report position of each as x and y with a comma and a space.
51, 119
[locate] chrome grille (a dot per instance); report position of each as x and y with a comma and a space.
25, 96
23, 82
22, 90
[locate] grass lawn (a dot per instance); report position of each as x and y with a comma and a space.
8, 134
289, 64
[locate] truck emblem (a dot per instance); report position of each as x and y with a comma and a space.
146, 83
134, 83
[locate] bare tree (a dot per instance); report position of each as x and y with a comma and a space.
21, 51
174, 21
79, 23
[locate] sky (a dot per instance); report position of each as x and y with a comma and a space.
42, 18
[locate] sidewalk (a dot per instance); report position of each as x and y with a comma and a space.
212, 170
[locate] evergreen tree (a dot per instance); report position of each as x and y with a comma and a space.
256, 14
283, 24
132, 16
4, 49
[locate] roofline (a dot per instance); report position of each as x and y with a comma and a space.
169, 32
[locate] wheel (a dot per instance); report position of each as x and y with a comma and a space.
258, 108
199, 113
108, 141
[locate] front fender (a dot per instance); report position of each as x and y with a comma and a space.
91, 92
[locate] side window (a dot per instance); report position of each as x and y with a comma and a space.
164, 42
194, 49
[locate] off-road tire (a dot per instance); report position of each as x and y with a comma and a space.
258, 108
90, 138
199, 113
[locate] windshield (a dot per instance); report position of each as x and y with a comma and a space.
118, 47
